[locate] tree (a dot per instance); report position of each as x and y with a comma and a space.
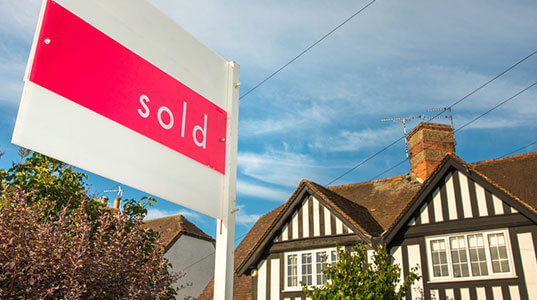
352, 277
48, 182
56, 241
67, 258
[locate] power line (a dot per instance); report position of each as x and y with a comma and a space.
498, 105
307, 49
470, 122
388, 170
521, 148
487, 83
452, 105
364, 161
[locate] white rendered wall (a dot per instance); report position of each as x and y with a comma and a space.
186, 251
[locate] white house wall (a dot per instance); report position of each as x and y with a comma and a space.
458, 205
312, 219
460, 198
183, 254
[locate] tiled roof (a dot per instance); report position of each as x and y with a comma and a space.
517, 174
242, 285
172, 227
385, 199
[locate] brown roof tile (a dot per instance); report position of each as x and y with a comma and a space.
172, 227
375, 205
516, 174
384, 198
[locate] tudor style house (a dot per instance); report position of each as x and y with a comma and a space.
188, 249
471, 228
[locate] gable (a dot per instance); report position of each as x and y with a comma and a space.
458, 192
459, 197
312, 219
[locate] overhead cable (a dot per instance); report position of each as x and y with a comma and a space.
452, 105
307, 49
470, 122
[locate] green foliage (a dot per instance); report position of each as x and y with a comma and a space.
138, 209
54, 185
52, 199
48, 182
352, 277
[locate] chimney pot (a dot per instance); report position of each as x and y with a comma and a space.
104, 200
117, 202
428, 143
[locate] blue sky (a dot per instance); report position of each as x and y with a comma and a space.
320, 116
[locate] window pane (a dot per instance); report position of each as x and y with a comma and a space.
498, 253
292, 275
334, 257
321, 259
478, 260
459, 260
439, 255
306, 268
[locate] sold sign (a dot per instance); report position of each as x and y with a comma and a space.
77, 61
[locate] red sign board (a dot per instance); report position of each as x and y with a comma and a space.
82, 64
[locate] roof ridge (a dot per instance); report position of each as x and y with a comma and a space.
471, 168
500, 187
516, 156
366, 182
318, 188
284, 206
166, 217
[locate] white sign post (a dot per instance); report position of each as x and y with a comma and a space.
118, 89
225, 231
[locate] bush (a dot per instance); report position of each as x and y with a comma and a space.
57, 242
74, 257
352, 277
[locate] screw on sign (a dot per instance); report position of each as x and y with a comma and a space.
109, 82
72, 63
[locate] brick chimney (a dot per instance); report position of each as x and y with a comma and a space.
428, 143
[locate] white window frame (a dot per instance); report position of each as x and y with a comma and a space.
470, 277
314, 274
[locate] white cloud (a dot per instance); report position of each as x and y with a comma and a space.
368, 138
290, 121
11, 80
244, 218
282, 168
260, 191
18, 18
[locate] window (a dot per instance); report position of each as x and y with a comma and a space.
469, 255
292, 272
308, 267
321, 260
335, 257
498, 253
439, 256
477, 255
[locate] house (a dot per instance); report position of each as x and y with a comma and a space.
188, 249
471, 228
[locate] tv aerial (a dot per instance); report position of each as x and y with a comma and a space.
119, 191
442, 109
404, 120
